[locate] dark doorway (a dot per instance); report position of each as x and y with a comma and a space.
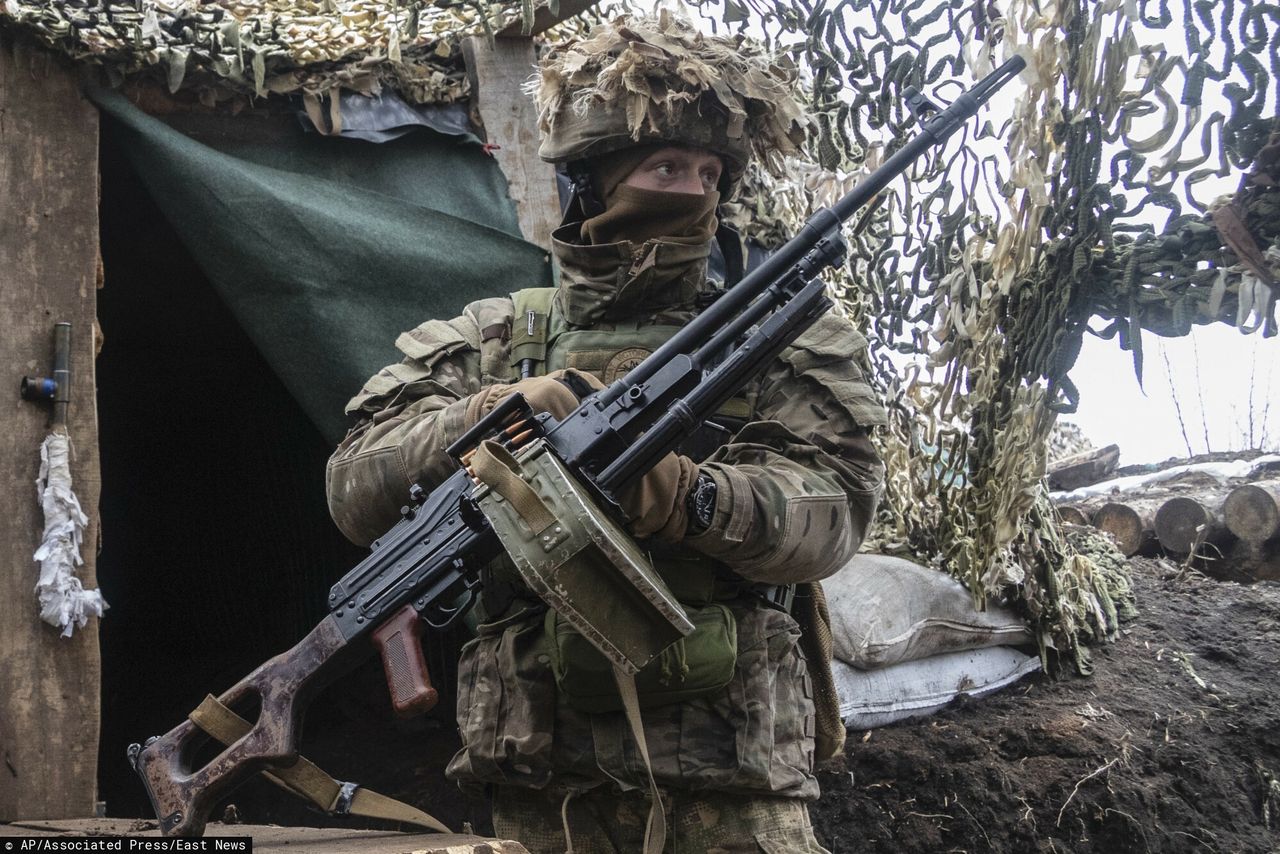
217, 548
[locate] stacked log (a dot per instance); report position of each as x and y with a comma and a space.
1252, 513
1248, 562
1130, 523
1234, 535
1185, 524
1073, 515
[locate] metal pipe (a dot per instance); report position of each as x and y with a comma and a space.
61, 373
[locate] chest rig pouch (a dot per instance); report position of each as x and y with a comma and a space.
699, 659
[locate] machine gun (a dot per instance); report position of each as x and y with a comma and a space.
426, 568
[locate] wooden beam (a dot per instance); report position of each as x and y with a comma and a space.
1084, 469
497, 70
543, 19
49, 685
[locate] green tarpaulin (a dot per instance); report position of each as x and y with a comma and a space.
326, 249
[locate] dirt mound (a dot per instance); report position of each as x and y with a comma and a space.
1172, 745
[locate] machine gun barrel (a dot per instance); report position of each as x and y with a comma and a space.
782, 285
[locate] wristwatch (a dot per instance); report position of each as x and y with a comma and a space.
701, 503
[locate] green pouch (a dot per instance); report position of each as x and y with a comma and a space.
699, 664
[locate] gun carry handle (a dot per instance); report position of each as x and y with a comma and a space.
183, 797
399, 642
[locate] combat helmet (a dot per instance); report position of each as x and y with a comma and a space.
653, 79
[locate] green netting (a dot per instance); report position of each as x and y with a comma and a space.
326, 249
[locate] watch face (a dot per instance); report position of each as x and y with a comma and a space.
704, 501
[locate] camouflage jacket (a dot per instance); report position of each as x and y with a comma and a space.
798, 462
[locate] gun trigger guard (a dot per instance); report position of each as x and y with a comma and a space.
346, 795
442, 619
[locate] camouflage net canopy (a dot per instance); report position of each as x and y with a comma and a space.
313, 47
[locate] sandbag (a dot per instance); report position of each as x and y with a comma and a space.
873, 698
886, 610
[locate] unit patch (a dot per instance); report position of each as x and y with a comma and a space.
623, 362
608, 365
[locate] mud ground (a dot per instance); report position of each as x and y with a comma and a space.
1170, 746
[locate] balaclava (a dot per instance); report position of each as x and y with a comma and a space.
637, 215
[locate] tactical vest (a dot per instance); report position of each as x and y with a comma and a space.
541, 342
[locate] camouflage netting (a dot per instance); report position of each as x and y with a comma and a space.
1067, 440
311, 47
1131, 181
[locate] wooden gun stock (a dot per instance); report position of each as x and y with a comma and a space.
283, 686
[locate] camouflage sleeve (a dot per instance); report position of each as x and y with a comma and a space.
797, 488
408, 414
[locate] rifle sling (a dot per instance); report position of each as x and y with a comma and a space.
655, 832
305, 779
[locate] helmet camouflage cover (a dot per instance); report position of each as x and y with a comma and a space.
652, 79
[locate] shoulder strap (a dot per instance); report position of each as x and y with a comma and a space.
530, 329
655, 832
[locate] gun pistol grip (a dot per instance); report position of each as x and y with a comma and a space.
399, 642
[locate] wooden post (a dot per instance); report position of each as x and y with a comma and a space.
49, 685
498, 70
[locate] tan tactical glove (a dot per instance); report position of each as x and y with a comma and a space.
545, 394
655, 505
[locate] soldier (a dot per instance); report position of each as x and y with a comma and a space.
655, 123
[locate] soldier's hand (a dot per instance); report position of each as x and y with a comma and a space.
558, 393
656, 504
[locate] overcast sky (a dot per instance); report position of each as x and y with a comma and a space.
1221, 380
